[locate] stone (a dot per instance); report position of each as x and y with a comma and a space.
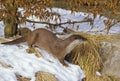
111, 58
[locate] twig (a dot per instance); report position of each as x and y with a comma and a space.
58, 24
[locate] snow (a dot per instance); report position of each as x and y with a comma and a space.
27, 65
1, 28
66, 15
98, 23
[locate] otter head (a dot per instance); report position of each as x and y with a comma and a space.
74, 41
78, 37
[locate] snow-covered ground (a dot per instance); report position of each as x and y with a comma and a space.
27, 65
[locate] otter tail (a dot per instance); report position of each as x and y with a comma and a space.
16, 41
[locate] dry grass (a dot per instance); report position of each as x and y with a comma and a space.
2, 39
40, 76
87, 55
45, 76
3, 64
34, 50
20, 78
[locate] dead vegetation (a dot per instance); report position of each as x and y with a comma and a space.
44, 76
3, 64
40, 76
107, 8
20, 78
87, 56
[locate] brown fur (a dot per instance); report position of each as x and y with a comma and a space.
23, 31
48, 41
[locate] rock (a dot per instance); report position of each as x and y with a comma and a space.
111, 58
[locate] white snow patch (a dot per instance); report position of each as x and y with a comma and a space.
28, 64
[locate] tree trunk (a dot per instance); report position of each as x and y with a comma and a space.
10, 28
10, 20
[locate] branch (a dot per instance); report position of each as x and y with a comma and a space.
58, 24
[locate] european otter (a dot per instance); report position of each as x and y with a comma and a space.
48, 41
